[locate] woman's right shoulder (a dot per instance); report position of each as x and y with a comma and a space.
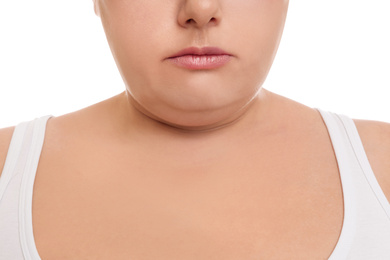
5, 140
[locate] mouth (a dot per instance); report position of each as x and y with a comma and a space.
205, 58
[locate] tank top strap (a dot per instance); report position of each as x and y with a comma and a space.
13, 155
20, 147
19, 172
354, 141
346, 161
366, 225
25, 202
361, 156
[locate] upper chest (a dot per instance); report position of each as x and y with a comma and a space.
144, 206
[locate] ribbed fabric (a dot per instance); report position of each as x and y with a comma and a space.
16, 187
365, 233
366, 226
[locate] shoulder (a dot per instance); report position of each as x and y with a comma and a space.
375, 137
5, 140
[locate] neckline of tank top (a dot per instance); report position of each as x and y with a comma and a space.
340, 249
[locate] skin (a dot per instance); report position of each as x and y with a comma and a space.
192, 164
183, 98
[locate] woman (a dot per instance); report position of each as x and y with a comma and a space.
195, 160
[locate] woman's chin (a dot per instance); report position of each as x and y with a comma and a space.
205, 120
192, 115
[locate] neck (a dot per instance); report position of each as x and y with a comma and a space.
132, 115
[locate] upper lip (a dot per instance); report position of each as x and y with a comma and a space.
200, 51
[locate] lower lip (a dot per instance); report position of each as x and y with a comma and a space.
201, 62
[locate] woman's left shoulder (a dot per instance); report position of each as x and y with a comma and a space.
375, 137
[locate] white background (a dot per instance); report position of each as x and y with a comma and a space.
54, 58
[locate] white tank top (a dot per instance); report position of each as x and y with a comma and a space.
365, 233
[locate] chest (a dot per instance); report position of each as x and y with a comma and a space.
227, 211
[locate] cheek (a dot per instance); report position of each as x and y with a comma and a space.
136, 26
136, 38
263, 24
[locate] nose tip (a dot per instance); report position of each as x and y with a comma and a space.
199, 13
